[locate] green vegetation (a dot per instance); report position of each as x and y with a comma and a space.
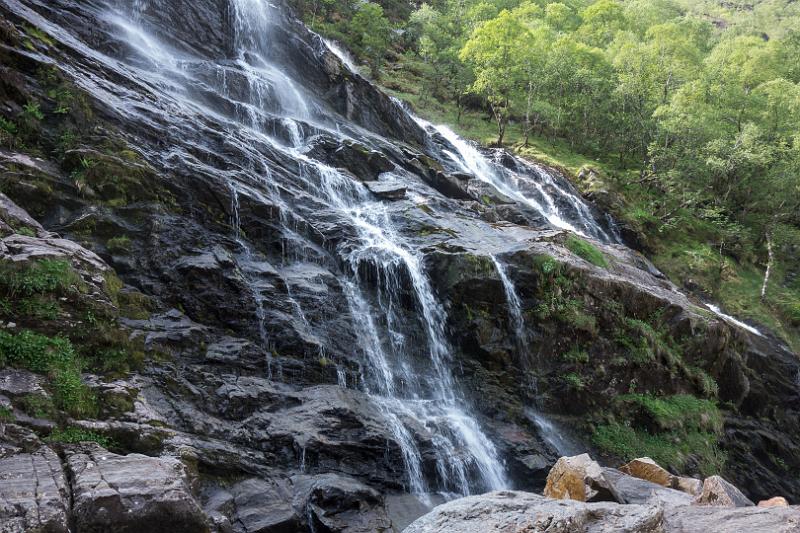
72, 435
586, 251
668, 429
47, 275
121, 244
6, 414
61, 332
54, 357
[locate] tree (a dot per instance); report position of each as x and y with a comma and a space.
371, 34
496, 51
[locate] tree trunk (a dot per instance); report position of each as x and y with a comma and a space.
770, 259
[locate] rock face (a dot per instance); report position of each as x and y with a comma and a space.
289, 249
131, 493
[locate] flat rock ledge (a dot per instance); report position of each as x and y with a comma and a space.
522, 512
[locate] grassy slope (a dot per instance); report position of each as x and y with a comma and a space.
685, 251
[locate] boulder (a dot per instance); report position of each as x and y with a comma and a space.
694, 519
131, 493
777, 501
386, 190
631, 489
647, 469
520, 511
579, 478
688, 485
33, 493
718, 492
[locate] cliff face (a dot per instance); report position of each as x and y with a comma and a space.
294, 304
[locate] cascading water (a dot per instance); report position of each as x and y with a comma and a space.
529, 188
421, 390
514, 303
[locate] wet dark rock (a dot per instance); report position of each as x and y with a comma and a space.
386, 190
256, 372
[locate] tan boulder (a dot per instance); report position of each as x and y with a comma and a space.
647, 469
579, 478
720, 493
688, 485
777, 501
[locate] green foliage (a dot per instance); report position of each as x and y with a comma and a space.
669, 429
628, 443
46, 275
586, 251
689, 109
682, 411
27, 232
33, 110
121, 244
574, 381
74, 435
6, 414
55, 357
38, 406
576, 355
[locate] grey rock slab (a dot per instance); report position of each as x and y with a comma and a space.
509, 511
33, 493
131, 493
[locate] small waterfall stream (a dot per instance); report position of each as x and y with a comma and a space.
514, 303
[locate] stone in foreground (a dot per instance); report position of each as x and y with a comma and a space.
517, 512
33, 493
131, 493
520, 512
579, 478
718, 492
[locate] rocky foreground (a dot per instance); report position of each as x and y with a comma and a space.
582, 496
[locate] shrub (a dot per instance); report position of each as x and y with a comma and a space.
47, 275
574, 381
576, 355
54, 357
119, 244
73, 435
586, 250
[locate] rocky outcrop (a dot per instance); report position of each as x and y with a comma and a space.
716, 491
130, 493
34, 495
517, 511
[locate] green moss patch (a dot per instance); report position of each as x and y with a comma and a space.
586, 250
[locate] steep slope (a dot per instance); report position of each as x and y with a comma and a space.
340, 304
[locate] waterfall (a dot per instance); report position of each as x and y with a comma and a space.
252, 105
514, 303
528, 188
